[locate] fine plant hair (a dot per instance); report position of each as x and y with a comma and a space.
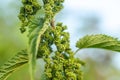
38, 19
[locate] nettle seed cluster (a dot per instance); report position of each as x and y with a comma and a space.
52, 7
31, 7
60, 63
27, 12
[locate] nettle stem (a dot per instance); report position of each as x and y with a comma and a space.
52, 23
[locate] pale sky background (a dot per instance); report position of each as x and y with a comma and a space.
107, 10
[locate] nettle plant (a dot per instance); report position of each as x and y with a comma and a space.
49, 41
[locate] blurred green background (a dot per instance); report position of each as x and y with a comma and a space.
82, 17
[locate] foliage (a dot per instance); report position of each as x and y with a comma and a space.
20, 59
43, 34
99, 41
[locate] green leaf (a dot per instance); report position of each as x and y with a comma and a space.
99, 41
34, 42
17, 61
